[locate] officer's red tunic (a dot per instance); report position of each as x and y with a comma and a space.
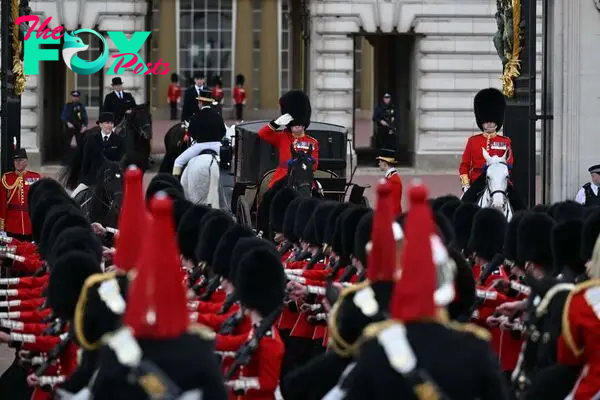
393, 178
473, 162
14, 212
283, 142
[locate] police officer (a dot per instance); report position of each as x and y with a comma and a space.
75, 119
385, 116
14, 211
588, 194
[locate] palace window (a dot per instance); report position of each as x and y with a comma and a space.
206, 41
89, 85
156, 97
285, 75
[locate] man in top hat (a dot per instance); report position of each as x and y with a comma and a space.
75, 118
191, 94
14, 211
489, 107
387, 163
99, 146
295, 117
118, 101
588, 195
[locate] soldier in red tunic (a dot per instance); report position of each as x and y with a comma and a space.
387, 163
296, 110
14, 214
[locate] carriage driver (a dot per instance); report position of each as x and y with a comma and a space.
295, 117
489, 107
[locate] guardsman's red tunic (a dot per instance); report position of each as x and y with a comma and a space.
283, 141
473, 163
393, 178
578, 344
14, 212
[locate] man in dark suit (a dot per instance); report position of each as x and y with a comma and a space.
98, 147
118, 102
190, 104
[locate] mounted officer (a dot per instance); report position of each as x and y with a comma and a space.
118, 102
588, 195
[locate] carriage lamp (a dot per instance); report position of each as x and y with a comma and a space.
225, 153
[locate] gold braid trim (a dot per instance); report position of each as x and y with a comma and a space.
511, 69
18, 72
12, 189
566, 323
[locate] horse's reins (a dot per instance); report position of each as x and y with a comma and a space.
502, 192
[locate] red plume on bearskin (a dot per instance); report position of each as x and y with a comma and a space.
157, 305
382, 256
489, 105
413, 297
297, 104
131, 221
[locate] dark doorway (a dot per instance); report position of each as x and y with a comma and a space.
52, 81
393, 57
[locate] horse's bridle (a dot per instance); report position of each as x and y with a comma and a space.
502, 192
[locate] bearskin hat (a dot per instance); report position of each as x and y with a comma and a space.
303, 213
438, 202
462, 222
263, 222
349, 224
188, 230
207, 126
162, 181
464, 283
180, 207
240, 79
337, 242
214, 225
58, 221
97, 319
44, 187
260, 280
489, 105
76, 238
362, 236
174, 78
511, 239
330, 222
289, 220
67, 276
591, 230
297, 104
444, 228
241, 248
566, 245
487, 234
217, 81
223, 253
535, 239
541, 208
566, 211
278, 206
315, 228
39, 213
449, 208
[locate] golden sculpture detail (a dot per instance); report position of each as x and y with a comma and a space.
18, 71
508, 42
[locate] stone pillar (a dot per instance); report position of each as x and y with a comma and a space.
269, 70
575, 94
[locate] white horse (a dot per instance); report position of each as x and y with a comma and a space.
495, 193
201, 181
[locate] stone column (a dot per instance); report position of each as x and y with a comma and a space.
575, 94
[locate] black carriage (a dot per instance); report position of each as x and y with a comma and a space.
255, 162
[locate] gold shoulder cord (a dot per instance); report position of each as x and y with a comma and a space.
80, 309
12, 189
566, 324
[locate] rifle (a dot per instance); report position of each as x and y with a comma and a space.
229, 301
213, 285
54, 355
244, 354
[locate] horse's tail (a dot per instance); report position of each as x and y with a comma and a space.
69, 175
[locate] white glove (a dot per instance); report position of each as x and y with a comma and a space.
284, 120
465, 188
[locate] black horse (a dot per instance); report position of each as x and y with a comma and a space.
176, 142
102, 202
136, 130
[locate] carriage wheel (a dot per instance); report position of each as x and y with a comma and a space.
242, 212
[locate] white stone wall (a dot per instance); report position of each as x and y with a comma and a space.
454, 59
103, 15
576, 99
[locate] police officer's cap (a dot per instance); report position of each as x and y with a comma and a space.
387, 96
594, 169
19, 154
75, 93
